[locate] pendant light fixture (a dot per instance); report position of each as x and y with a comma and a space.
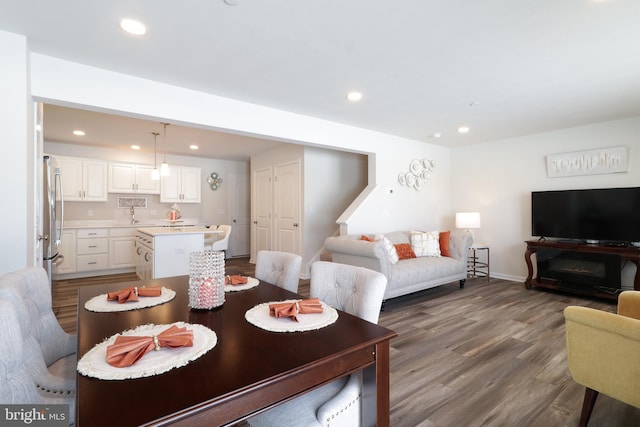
164, 167
155, 173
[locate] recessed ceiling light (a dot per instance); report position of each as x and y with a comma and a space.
135, 147
354, 96
193, 147
463, 129
133, 27
436, 135
78, 133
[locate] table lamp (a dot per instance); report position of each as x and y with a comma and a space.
468, 220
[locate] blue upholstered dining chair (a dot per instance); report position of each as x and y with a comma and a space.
16, 382
358, 291
279, 268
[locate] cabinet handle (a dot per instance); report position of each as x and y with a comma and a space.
295, 224
93, 246
92, 234
255, 222
93, 262
146, 256
139, 251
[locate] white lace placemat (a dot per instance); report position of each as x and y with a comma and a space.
100, 303
260, 317
252, 282
94, 362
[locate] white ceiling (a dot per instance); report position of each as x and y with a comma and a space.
505, 68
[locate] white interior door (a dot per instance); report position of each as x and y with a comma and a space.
287, 210
263, 196
239, 202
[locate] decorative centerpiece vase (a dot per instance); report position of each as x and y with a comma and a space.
206, 279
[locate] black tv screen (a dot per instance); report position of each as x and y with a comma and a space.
604, 215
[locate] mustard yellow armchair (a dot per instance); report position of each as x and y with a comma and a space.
603, 351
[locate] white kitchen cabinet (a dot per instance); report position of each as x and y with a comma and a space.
92, 249
181, 186
122, 249
83, 180
68, 251
132, 178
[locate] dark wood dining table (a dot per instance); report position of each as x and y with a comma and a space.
249, 370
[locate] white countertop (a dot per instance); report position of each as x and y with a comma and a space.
159, 231
106, 223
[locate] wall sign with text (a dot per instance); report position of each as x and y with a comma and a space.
592, 162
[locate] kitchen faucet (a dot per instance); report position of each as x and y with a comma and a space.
133, 216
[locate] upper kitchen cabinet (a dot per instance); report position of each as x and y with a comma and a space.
83, 180
130, 178
182, 185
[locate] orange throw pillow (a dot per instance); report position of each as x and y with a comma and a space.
367, 238
404, 251
445, 237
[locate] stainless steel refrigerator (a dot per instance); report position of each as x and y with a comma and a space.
52, 215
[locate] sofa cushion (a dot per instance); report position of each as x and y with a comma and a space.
424, 269
404, 251
445, 241
391, 250
426, 243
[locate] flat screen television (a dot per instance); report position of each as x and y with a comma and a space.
609, 215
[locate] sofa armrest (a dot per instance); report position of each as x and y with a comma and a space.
459, 244
351, 251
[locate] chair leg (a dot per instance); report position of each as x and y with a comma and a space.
590, 397
462, 283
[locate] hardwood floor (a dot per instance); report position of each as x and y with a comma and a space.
491, 354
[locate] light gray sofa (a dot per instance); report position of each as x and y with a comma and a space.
407, 275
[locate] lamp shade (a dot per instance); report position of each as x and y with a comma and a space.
467, 220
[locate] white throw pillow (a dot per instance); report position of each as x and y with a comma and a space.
425, 243
391, 250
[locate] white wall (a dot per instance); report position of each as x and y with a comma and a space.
496, 179
331, 180
17, 225
76, 85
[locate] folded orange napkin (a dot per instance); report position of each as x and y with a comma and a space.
127, 349
132, 294
292, 309
236, 279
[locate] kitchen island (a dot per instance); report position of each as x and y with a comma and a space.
164, 251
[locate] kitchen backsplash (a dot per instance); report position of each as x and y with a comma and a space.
109, 210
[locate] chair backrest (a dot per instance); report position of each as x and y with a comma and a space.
32, 284
33, 359
356, 290
222, 244
279, 268
16, 384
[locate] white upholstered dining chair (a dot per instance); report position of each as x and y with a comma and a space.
48, 384
16, 383
279, 268
58, 347
358, 291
